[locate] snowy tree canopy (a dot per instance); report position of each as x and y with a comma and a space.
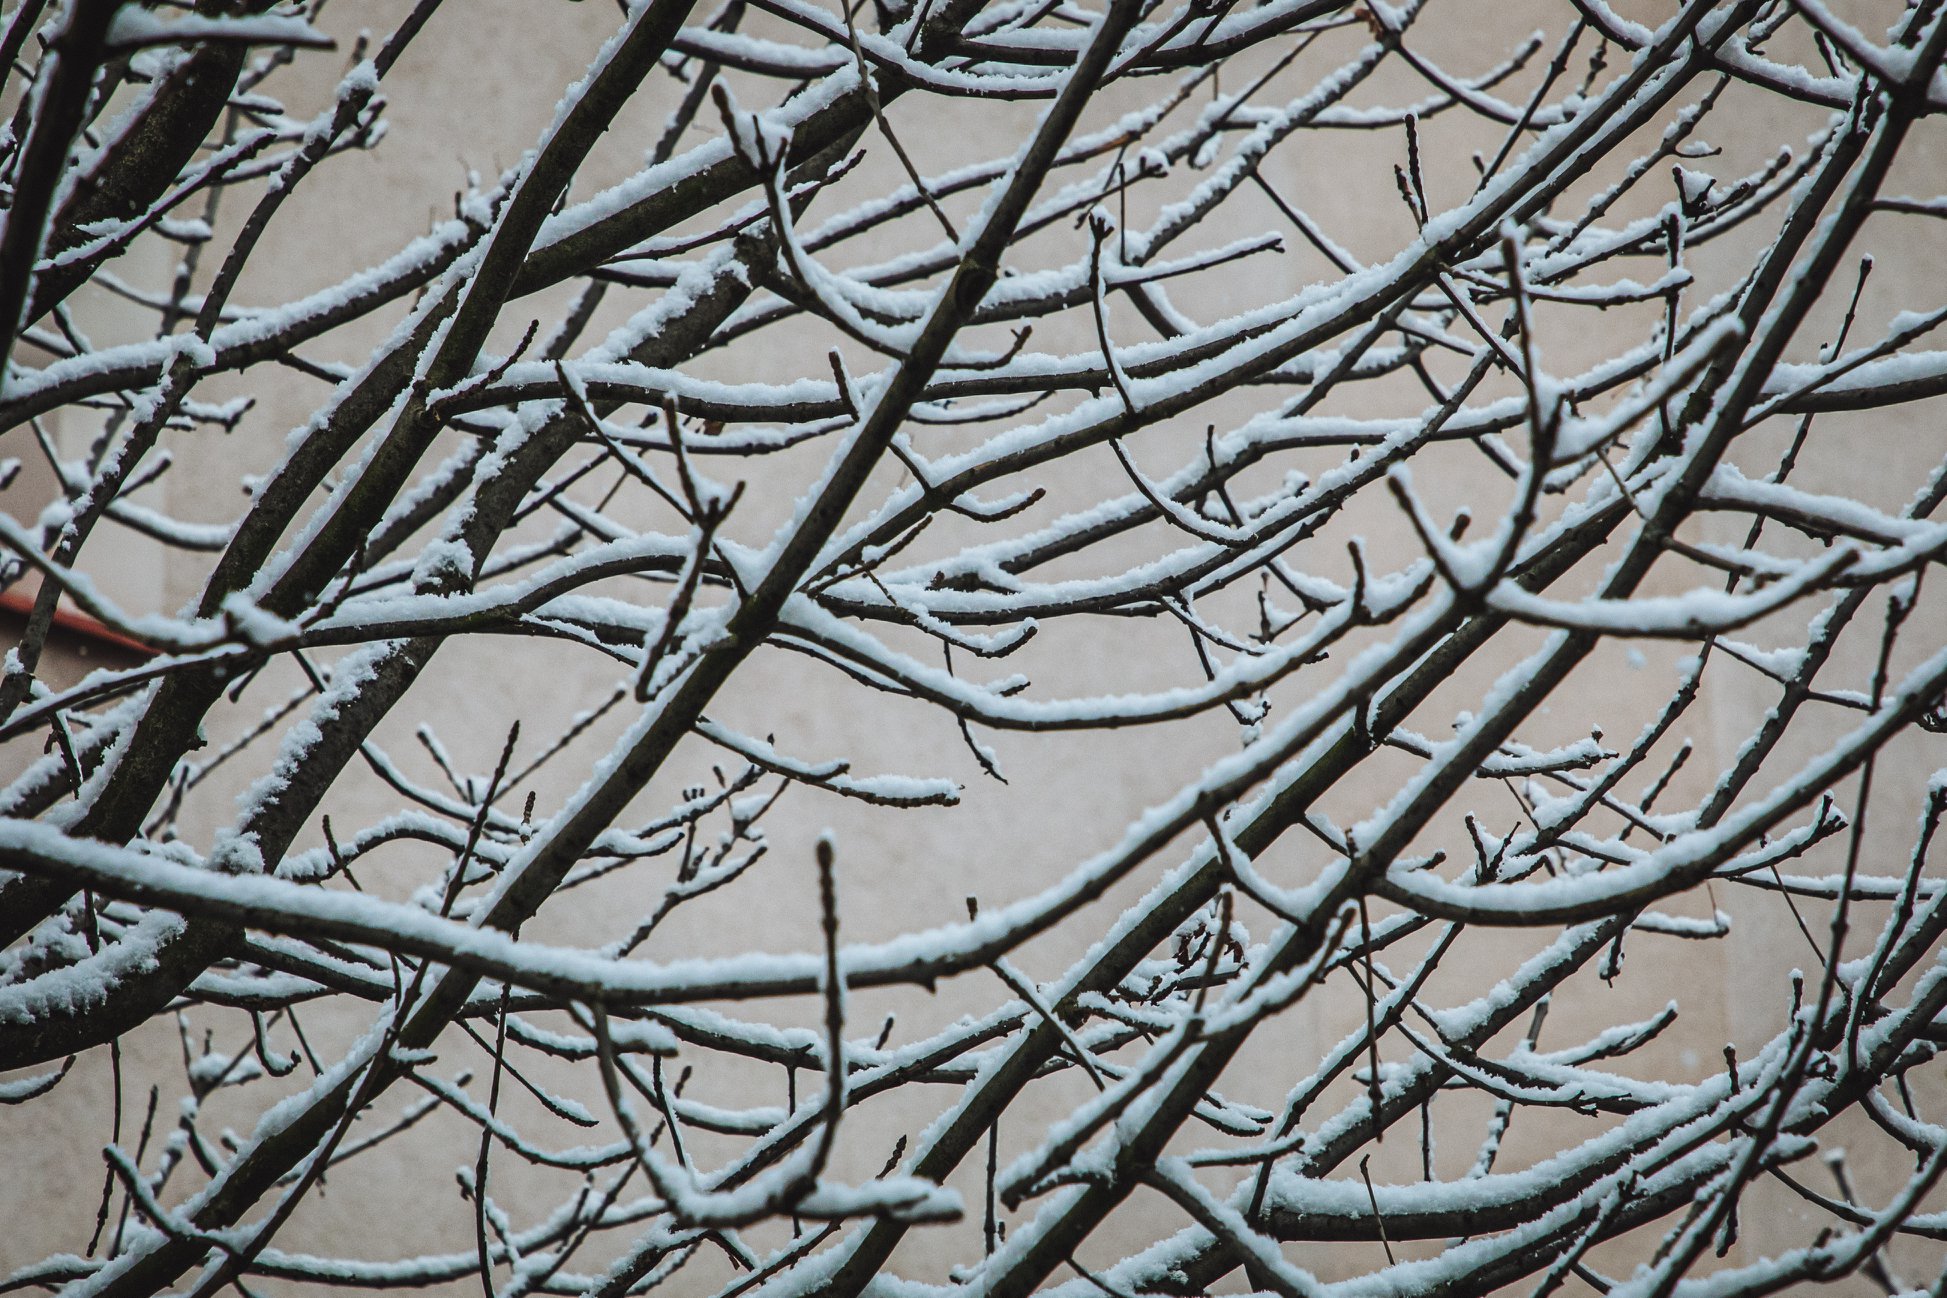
1287, 542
